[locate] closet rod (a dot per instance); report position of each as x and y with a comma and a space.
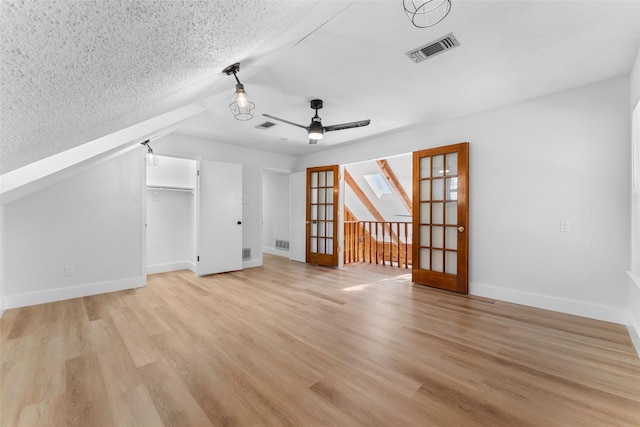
154, 187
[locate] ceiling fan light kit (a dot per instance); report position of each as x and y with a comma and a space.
426, 13
241, 106
315, 129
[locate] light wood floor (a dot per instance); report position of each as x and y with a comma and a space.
293, 345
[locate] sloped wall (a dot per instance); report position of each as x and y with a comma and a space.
90, 224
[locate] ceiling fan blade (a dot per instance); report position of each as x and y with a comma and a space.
285, 121
347, 125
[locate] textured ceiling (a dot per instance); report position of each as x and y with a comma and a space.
74, 71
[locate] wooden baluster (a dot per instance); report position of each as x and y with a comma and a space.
369, 245
406, 247
376, 240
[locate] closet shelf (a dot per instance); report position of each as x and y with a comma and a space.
164, 188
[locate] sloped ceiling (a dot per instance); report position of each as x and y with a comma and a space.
392, 209
73, 72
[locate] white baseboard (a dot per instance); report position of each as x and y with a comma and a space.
633, 324
254, 262
274, 251
59, 294
172, 266
576, 308
635, 338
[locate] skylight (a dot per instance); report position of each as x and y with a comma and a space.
379, 186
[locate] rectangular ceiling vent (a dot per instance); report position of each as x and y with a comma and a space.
432, 49
265, 125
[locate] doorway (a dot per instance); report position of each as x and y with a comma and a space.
435, 199
378, 212
194, 216
171, 215
276, 213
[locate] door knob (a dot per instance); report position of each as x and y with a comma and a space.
239, 222
460, 229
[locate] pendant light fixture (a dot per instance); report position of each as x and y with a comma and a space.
150, 159
426, 13
241, 107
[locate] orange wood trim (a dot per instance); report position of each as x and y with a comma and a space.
348, 215
318, 258
458, 282
388, 172
363, 197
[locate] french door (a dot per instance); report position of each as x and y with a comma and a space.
322, 215
441, 217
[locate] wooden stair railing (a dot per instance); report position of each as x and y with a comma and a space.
379, 242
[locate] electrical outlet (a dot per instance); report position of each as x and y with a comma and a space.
68, 270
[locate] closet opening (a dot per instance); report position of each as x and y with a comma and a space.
171, 215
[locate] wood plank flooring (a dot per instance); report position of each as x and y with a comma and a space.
288, 344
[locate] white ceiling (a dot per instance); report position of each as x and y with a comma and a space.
73, 72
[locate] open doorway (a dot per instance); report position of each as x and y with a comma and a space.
275, 213
194, 216
171, 215
378, 212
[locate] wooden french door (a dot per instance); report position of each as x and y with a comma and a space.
441, 217
322, 215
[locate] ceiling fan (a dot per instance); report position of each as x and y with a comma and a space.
315, 129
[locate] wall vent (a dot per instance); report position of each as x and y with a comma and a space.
282, 244
265, 125
246, 254
427, 51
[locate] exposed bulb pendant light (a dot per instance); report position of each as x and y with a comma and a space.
241, 107
150, 159
426, 13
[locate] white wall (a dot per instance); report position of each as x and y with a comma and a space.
532, 164
634, 274
2, 260
253, 162
275, 211
92, 221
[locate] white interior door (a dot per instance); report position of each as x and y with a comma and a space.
219, 225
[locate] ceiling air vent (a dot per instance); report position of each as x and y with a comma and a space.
265, 125
427, 51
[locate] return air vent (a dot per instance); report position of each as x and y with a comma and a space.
265, 125
427, 51
282, 244
246, 254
